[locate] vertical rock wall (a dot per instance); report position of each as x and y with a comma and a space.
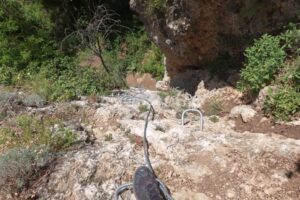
193, 32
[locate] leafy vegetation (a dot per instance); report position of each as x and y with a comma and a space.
263, 59
25, 35
30, 132
30, 56
275, 60
29, 143
155, 6
214, 118
283, 104
135, 53
164, 94
19, 166
214, 107
143, 108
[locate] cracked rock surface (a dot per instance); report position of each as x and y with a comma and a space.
216, 163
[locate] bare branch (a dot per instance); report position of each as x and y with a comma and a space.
92, 35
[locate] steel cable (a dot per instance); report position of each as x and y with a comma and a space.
145, 147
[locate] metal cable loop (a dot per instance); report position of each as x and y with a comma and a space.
163, 188
121, 189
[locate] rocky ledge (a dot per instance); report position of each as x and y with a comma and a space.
214, 163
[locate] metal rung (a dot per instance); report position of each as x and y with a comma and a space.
193, 110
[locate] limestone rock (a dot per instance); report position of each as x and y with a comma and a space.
192, 33
245, 111
163, 85
263, 93
214, 163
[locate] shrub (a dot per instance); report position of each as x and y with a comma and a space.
275, 59
291, 76
29, 132
263, 59
62, 139
154, 6
135, 53
214, 118
25, 35
9, 97
19, 166
34, 100
214, 107
143, 108
291, 40
6, 75
61, 79
283, 103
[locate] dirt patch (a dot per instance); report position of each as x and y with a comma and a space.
262, 125
145, 81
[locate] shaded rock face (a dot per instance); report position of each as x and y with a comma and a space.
192, 33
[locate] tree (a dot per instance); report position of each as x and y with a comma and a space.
95, 32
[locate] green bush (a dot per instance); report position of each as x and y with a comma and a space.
155, 6
19, 166
135, 53
276, 60
61, 79
34, 100
291, 76
263, 59
214, 107
25, 35
282, 104
291, 40
29, 55
143, 108
30, 132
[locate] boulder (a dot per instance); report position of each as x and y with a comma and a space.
245, 111
192, 33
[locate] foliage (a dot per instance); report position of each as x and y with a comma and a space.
19, 166
263, 59
172, 93
32, 132
135, 53
290, 40
25, 32
95, 32
143, 108
6, 75
155, 6
9, 97
29, 57
283, 103
291, 75
214, 118
275, 59
214, 107
61, 79
34, 100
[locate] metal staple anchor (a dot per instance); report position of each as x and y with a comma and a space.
193, 110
